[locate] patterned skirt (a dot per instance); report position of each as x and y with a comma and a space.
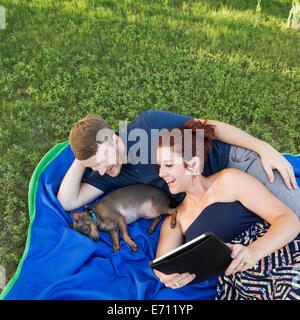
275, 277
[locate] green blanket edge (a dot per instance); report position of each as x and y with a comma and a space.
33, 185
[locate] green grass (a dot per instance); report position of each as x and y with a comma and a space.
60, 60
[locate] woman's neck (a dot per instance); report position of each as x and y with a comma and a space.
198, 188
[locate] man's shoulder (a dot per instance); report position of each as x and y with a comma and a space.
154, 115
159, 119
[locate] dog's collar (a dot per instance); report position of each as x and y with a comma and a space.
92, 214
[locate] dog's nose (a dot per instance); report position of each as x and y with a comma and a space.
96, 239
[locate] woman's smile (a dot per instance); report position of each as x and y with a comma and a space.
170, 182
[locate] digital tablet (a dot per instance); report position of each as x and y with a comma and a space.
206, 256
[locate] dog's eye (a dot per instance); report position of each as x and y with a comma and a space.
86, 229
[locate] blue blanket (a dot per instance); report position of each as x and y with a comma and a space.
60, 263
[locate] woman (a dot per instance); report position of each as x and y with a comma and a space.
226, 203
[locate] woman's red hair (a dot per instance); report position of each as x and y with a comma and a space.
193, 125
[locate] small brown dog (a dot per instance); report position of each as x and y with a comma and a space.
121, 207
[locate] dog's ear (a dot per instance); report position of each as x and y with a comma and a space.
84, 213
76, 215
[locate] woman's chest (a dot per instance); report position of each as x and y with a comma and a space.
187, 214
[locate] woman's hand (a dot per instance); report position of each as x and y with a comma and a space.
175, 280
244, 258
272, 159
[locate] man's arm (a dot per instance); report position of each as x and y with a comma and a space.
72, 193
270, 158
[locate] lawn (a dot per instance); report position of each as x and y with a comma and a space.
61, 60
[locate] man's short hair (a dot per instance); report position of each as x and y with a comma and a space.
83, 135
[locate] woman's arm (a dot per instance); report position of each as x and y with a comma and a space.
285, 225
170, 239
270, 157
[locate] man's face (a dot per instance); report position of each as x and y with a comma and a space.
106, 160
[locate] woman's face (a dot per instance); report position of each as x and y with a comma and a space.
172, 170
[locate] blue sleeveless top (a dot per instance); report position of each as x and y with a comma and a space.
227, 220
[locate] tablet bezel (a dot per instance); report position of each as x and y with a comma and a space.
182, 248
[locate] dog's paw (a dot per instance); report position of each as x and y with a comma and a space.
150, 230
116, 248
173, 224
134, 247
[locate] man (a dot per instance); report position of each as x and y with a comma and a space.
232, 147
